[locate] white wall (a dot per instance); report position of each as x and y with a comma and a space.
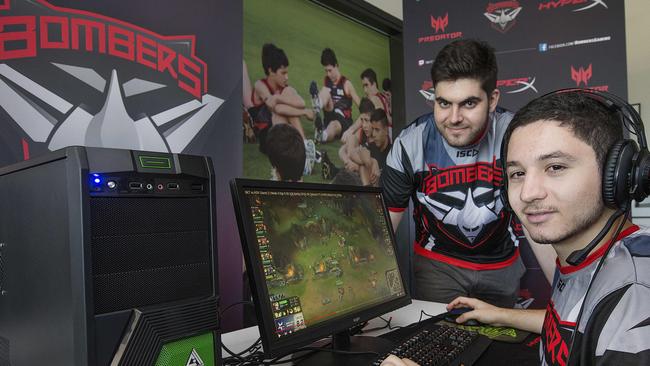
637, 35
392, 7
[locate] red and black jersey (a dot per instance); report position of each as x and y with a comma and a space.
456, 193
614, 326
259, 112
342, 101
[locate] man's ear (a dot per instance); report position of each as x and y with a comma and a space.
494, 99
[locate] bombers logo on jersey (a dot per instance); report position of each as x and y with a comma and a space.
471, 205
71, 77
502, 14
555, 334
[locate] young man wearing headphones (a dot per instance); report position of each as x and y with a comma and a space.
571, 178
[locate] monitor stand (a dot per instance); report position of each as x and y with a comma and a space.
344, 342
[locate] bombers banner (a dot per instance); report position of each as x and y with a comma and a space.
142, 75
541, 45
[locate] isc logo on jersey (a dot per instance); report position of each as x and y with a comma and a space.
466, 153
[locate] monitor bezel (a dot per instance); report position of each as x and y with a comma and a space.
280, 346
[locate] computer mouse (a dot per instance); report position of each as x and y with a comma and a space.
456, 312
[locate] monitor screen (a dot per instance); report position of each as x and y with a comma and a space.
320, 258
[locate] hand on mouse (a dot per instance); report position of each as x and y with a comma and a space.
480, 312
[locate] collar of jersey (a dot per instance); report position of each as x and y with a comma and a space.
595, 255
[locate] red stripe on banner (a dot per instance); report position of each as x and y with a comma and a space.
25, 149
465, 264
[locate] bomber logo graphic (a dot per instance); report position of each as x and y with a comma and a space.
469, 208
70, 77
554, 4
517, 85
502, 14
440, 23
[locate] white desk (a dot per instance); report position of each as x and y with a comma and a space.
239, 340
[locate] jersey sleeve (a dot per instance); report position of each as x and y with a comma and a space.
397, 178
619, 331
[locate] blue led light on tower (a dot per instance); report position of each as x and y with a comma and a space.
95, 178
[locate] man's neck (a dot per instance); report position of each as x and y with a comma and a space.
274, 86
581, 241
384, 146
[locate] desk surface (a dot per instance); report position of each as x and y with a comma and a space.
239, 340
517, 354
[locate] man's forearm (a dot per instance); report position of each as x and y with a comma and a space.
293, 100
529, 320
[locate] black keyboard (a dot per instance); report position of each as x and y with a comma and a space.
440, 345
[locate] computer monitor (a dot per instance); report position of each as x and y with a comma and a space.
320, 258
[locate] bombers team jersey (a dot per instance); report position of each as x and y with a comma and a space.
614, 327
458, 212
342, 102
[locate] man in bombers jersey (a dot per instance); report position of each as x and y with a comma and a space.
448, 163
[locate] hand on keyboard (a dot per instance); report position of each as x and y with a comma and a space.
393, 360
436, 345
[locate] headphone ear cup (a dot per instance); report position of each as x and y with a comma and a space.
616, 174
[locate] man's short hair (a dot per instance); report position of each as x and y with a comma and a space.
328, 58
379, 115
369, 74
386, 84
273, 58
286, 151
588, 119
366, 106
467, 58
347, 177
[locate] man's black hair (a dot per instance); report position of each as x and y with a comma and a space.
366, 106
273, 58
286, 151
379, 115
369, 74
588, 119
347, 177
466, 58
328, 58
386, 84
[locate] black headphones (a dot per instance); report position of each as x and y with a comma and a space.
626, 174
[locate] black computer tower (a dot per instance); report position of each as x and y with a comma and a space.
107, 257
